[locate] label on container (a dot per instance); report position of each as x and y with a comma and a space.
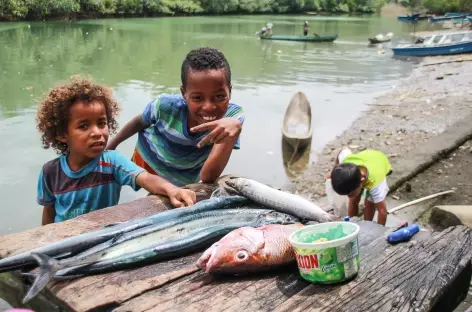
328, 265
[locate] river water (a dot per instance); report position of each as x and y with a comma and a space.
140, 58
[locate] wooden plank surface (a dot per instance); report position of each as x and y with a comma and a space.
106, 289
414, 276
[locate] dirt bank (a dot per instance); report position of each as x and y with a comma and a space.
435, 97
453, 172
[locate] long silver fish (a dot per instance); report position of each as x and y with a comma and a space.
279, 200
145, 251
153, 234
75, 244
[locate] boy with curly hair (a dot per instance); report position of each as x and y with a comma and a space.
189, 137
75, 119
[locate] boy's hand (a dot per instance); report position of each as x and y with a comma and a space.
221, 130
180, 197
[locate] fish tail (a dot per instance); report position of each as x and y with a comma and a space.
47, 269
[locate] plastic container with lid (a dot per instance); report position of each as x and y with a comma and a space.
327, 253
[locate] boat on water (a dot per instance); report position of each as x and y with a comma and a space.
381, 38
296, 127
408, 17
448, 17
440, 44
314, 38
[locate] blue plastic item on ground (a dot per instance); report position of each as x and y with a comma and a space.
403, 234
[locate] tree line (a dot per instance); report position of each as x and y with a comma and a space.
438, 6
44, 9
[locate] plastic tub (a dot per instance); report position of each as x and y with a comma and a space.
327, 262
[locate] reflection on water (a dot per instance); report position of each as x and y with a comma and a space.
295, 160
141, 58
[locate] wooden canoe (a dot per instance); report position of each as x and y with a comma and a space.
296, 128
381, 38
315, 38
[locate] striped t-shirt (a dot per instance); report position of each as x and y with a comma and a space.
95, 186
168, 146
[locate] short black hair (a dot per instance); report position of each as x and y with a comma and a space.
204, 59
345, 178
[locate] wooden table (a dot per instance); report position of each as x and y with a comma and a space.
432, 272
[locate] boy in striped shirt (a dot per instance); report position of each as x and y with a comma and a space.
189, 137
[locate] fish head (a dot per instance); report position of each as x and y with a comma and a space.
274, 217
238, 251
236, 183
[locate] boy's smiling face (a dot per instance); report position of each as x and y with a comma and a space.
87, 130
207, 94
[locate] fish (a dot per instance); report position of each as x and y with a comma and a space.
151, 235
148, 247
249, 249
279, 200
75, 244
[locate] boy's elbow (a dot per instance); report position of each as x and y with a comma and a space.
208, 176
208, 179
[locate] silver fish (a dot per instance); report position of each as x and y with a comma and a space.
143, 245
73, 245
279, 200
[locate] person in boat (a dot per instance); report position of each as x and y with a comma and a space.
266, 30
75, 119
263, 31
189, 136
305, 29
269, 29
366, 170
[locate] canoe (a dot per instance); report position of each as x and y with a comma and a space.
412, 17
437, 19
329, 38
296, 128
440, 44
375, 40
381, 38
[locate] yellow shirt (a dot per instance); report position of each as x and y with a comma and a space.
376, 163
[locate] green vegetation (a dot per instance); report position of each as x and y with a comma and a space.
438, 6
43, 9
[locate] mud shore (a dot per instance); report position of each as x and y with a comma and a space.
431, 101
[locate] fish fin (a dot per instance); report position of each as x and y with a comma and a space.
47, 268
116, 238
223, 191
112, 224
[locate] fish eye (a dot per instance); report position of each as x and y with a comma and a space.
242, 255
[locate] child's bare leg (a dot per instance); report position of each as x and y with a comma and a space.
369, 210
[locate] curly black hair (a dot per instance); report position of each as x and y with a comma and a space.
203, 59
53, 112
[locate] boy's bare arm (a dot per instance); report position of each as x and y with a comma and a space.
353, 207
382, 212
223, 133
131, 128
49, 213
154, 184
217, 161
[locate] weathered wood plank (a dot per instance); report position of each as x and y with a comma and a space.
106, 289
261, 292
19, 242
413, 276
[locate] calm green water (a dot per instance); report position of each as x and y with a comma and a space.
141, 58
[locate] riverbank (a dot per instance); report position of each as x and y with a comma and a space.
434, 98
